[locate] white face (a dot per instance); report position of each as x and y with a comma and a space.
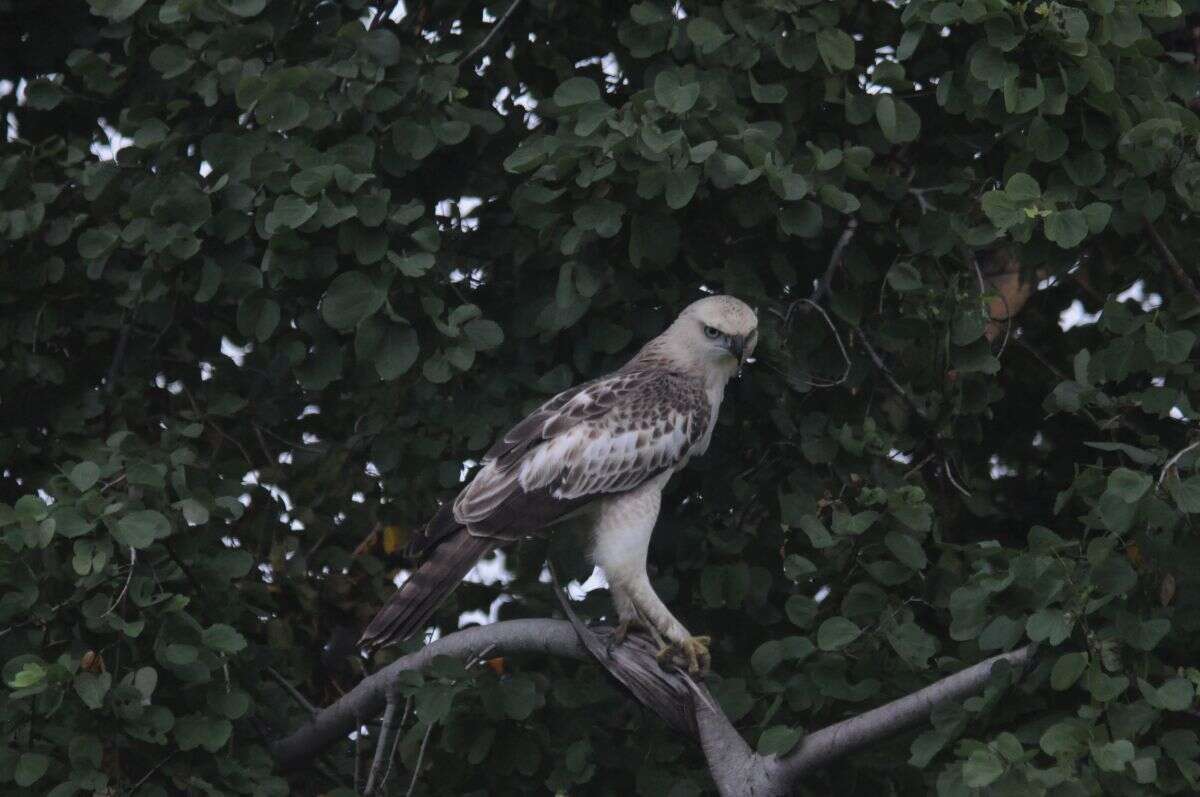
726, 328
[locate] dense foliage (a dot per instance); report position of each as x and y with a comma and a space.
273, 272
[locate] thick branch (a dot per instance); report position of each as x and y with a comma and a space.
820, 748
682, 702
553, 637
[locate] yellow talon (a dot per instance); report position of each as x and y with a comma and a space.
691, 652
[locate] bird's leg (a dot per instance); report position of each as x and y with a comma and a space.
684, 650
630, 619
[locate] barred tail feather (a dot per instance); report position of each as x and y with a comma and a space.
410, 608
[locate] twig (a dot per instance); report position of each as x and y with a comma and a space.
477, 49
838, 338
408, 704
950, 476
875, 358
1172, 262
114, 369
152, 770
835, 259
1171, 463
388, 736
420, 758
358, 734
114, 482
292, 691
381, 16
128, 580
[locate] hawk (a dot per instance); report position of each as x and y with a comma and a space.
604, 450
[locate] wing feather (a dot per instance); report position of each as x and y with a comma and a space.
599, 438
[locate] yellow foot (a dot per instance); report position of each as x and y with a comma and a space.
691, 653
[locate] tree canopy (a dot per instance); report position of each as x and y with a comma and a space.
276, 274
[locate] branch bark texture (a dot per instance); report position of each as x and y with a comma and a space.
682, 702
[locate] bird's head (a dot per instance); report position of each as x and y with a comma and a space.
719, 331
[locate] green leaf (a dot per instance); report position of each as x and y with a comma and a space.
92, 687
116, 10
84, 475
351, 297
398, 350
223, 638
898, 121
1067, 228
194, 512
681, 187
382, 46
243, 8
198, 730
1067, 670
676, 97
904, 276
982, 769
1049, 625
1022, 188
906, 549
778, 740
289, 213
1113, 756
706, 34
1176, 694
836, 49
483, 333
95, 243
140, 529
1128, 485
836, 633
30, 768
802, 219
576, 91
766, 657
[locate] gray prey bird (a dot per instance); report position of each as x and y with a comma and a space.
603, 451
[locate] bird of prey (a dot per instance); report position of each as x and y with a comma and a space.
604, 450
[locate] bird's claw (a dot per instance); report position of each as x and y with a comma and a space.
690, 653
624, 629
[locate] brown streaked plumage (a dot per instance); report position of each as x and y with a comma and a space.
607, 446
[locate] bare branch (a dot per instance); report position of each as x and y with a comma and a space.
1172, 462
883, 369
835, 260
125, 589
420, 758
370, 695
389, 734
483, 45
1172, 262
735, 768
820, 748
293, 692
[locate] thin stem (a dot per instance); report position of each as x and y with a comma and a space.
420, 759
483, 45
835, 259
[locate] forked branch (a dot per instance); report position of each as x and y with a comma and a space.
685, 704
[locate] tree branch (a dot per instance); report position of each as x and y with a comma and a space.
368, 698
675, 696
1172, 262
487, 40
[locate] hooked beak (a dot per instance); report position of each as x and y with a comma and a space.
737, 347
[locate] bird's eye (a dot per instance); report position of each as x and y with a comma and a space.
712, 332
